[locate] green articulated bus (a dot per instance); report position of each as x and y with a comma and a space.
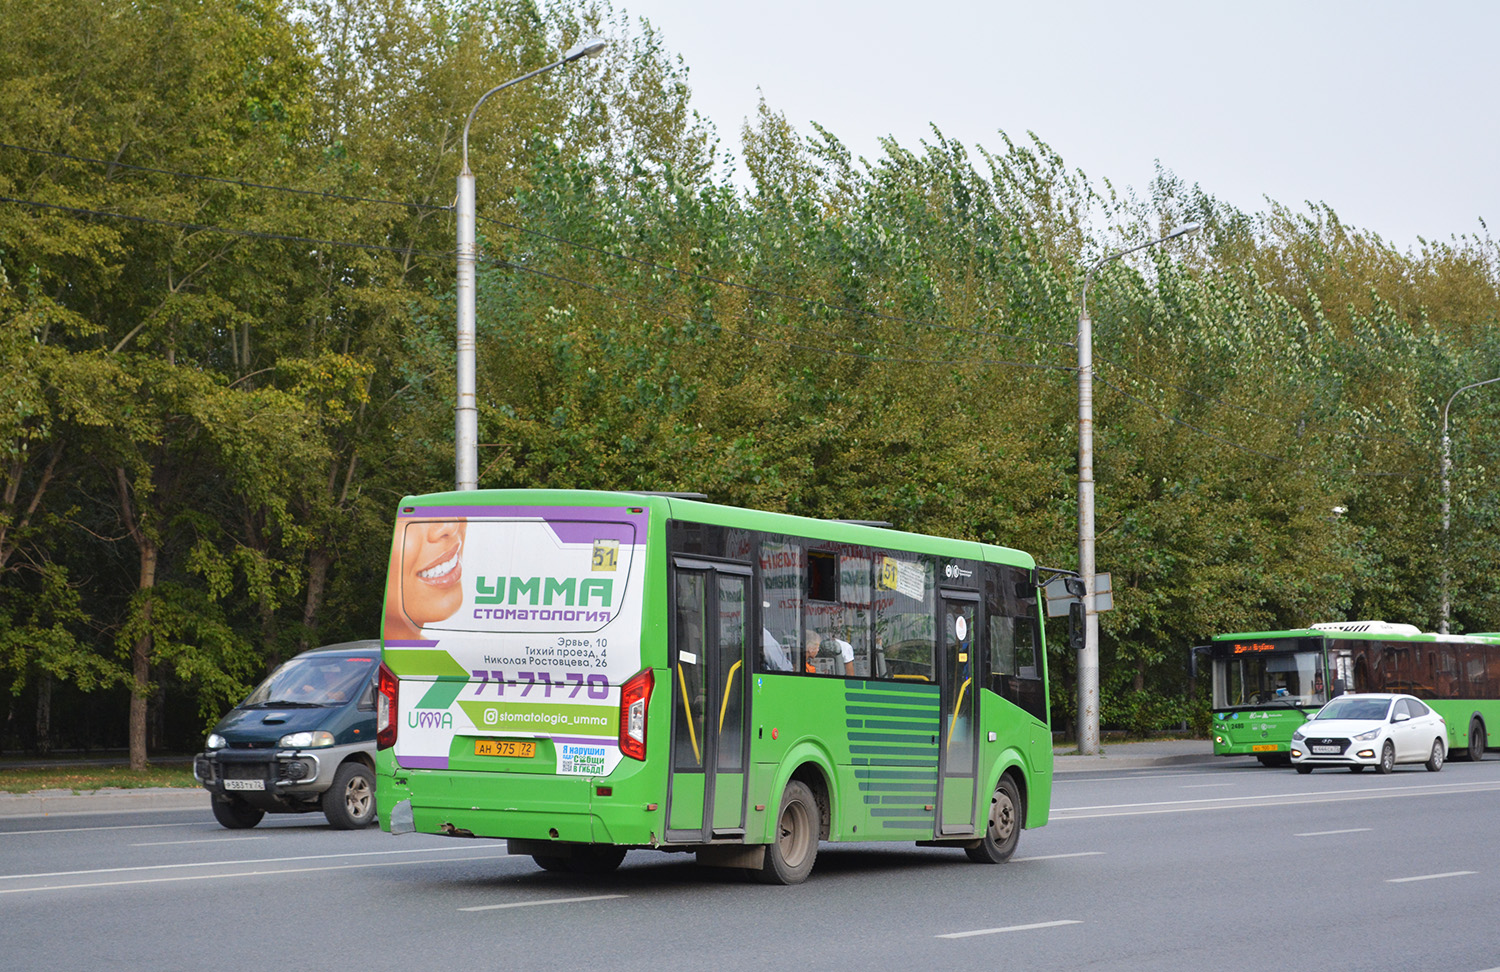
1267, 683
582, 673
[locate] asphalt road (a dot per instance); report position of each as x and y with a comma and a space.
1211, 866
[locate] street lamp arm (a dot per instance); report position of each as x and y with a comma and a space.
573, 54
1465, 388
1186, 229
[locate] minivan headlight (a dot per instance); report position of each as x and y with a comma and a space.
1367, 736
307, 740
216, 741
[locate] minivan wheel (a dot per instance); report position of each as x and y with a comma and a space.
350, 803
236, 814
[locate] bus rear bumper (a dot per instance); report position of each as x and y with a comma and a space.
564, 809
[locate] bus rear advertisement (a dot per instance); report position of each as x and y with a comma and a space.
581, 673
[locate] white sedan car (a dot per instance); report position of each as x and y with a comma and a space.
1371, 729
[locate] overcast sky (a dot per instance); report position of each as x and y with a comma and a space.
1383, 110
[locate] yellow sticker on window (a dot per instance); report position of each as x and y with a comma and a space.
606, 554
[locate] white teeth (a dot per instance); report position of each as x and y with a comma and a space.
440, 570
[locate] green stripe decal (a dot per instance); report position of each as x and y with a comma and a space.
423, 663
442, 693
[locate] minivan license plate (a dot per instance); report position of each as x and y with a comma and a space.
244, 784
521, 748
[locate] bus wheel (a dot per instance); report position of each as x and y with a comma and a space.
596, 859
1476, 741
550, 862
236, 814
1357, 768
1304, 770
1003, 831
789, 858
1387, 758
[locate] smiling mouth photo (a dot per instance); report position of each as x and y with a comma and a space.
444, 572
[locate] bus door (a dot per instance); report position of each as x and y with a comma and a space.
957, 751
711, 619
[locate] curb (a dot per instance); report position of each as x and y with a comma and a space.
48, 803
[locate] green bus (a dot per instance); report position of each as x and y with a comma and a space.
1267, 683
582, 673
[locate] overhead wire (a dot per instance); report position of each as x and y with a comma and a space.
226, 181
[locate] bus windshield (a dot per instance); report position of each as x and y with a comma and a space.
1276, 677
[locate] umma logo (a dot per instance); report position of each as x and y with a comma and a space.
429, 719
549, 591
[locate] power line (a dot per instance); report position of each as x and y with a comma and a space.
1402, 440
719, 328
764, 292
232, 182
1174, 420
408, 251
202, 227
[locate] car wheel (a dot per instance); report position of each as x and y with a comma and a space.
1387, 758
1003, 830
1435, 761
1476, 741
350, 803
789, 858
236, 814
1304, 770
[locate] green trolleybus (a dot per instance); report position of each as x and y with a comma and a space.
582, 673
1267, 683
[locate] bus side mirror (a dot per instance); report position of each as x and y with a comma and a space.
1075, 626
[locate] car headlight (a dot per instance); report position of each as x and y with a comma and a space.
1367, 736
1297, 736
216, 741
307, 740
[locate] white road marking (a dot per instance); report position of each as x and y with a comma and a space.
74, 830
1205, 786
206, 840
1272, 800
1011, 928
549, 901
1055, 857
241, 874
1427, 877
1330, 833
261, 860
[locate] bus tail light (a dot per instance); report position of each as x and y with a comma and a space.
387, 691
635, 697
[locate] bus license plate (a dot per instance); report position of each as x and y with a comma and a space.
1264, 748
1329, 750
244, 784
521, 748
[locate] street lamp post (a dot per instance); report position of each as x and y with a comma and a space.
466, 414
1447, 487
1088, 655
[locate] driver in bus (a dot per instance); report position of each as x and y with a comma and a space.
815, 642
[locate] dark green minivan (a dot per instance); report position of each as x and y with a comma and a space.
303, 741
